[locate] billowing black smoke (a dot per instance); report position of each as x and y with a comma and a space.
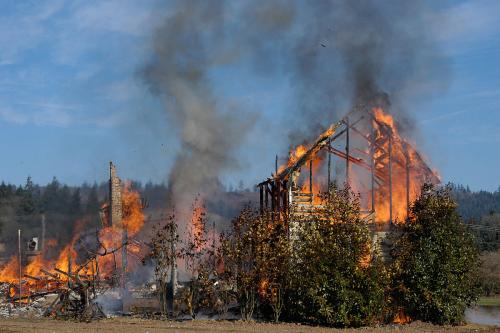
335, 54
351, 52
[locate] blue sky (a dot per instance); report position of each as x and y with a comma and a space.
71, 98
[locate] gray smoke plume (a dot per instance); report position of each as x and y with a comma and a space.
186, 46
335, 54
351, 52
196, 38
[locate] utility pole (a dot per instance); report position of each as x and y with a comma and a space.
20, 264
390, 179
347, 152
173, 272
124, 258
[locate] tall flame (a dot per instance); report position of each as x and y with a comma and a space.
197, 223
111, 238
400, 176
408, 170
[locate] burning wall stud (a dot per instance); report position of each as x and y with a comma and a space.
380, 165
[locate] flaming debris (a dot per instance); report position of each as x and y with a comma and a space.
379, 163
89, 261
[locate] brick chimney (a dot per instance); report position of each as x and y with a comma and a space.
115, 200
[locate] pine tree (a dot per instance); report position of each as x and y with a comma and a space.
28, 204
92, 206
50, 197
75, 203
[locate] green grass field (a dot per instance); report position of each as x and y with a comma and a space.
489, 301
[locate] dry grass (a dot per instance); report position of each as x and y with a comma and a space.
135, 325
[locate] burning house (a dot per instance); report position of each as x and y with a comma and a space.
92, 262
365, 150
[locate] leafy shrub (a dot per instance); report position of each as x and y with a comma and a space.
333, 280
435, 261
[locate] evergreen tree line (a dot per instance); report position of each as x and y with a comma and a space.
472, 205
481, 209
22, 207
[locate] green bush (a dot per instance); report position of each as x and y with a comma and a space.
333, 281
435, 261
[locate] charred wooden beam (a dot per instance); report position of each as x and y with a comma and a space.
273, 199
336, 136
407, 173
49, 274
32, 277
347, 152
329, 163
277, 189
390, 180
319, 144
407, 187
65, 273
285, 199
357, 161
33, 295
261, 190
311, 177
372, 172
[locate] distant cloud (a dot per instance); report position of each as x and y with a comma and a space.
444, 116
127, 17
467, 22
53, 117
108, 120
10, 116
23, 28
81, 54
123, 90
40, 114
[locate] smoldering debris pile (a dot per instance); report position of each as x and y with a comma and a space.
73, 298
93, 264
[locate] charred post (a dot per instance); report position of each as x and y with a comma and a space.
311, 179
372, 171
347, 151
124, 258
390, 179
261, 190
407, 184
329, 163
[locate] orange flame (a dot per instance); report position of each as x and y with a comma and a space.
401, 318
10, 272
197, 223
408, 169
111, 237
263, 287
133, 217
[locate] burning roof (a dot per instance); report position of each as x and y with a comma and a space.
380, 164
